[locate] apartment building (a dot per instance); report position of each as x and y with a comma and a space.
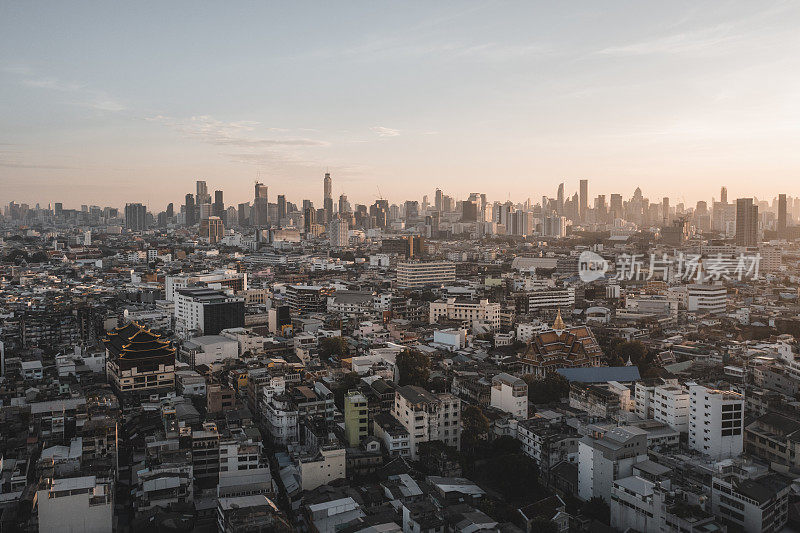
716, 422
427, 417
606, 457
469, 312
510, 394
75, 504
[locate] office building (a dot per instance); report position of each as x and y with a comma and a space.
339, 232
760, 504
135, 217
260, 214
211, 228
303, 299
207, 311
584, 199
707, 298
746, 222
281, 208
188, 210
202, 196
782, 217
422, 274
218, 207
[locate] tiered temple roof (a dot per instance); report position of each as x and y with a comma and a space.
133, 345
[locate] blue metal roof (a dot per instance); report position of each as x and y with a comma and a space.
601, 374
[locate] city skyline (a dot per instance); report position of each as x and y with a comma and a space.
104, 105
318, 199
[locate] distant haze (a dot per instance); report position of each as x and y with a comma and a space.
108, 102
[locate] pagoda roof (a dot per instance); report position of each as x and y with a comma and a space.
134, 343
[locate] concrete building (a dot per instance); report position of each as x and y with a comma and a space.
671, 405
217, 279
470, 312
78, 504
510, 394
328, 465
707, 298
716, 423
356, 418
752, 505
339, 233
207, 350
207, 311
422, 274
602, 459
551, 298
546, 445
427, 416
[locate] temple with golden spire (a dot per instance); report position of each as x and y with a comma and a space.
560, 347
558, 324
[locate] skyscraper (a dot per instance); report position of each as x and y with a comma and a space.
212, 229
781, 216
723, 195
281, 207
327, 185
746, 222
560, 199
135, 217
616, 206
218, 208
309, 218
202, 196
261, 205
584, 199
438, 200
338, 232
327, 201
665, 209
189, 210
344, 205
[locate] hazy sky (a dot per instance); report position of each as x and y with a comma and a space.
106, 103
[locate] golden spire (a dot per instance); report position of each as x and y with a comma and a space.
558, 324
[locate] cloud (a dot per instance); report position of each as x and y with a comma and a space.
236, 133
16, 164
703, 41
83, 95
385, 132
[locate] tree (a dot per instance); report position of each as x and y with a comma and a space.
348, 382
514, 476
505, 445
543, 525
552, 388
414, 368
597, 509
330, 346
475, 427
